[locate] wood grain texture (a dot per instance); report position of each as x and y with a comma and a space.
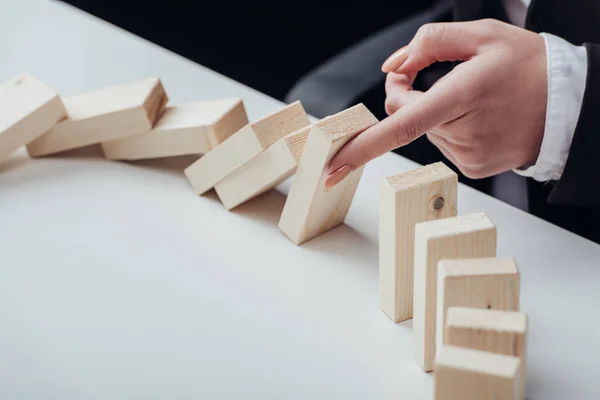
491, 283
467, 374
468, 236
264, 171
310, 208
243, 145
405, 200
193, 128
103, 115
28, 108
501, 332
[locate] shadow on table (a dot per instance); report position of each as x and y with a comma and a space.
348, 243
266, 207
343, 240
173, 165
22, 159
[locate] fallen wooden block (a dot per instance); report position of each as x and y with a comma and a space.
468, 236
466, 374
28, 108
193, 128
501, 332
104, 115
243, 145
419, 195
491, 283
310, 208
263, 172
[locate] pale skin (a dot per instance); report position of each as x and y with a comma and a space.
486, 116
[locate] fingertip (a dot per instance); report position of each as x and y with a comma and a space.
337, 176
395, 60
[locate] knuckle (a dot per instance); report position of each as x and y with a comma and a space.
407, 132
429, 33
391, 106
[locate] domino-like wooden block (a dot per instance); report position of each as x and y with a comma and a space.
243, 145
310, 208
468, 236
491, 283
103, 115
28, 108
263, 172
193, 128
419, 195
502, 332
467, 374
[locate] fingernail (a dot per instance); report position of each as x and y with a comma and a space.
395, 60
337, 176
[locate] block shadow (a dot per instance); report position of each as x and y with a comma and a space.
265, 208
172, 165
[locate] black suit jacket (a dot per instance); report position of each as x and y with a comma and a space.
573, 201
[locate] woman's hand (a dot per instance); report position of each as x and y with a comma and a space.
486, 116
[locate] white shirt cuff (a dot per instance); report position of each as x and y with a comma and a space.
566, 73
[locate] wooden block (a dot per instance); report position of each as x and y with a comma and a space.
263, 172
468, 236
103, 115
419, 195
310, 208
28, 108
491, 283
193, 128
501, 332
466, 374
243, 145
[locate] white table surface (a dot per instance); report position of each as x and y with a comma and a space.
117, 282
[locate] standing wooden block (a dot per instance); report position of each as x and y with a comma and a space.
468, 236
491, 283
193, 128
310, 208
263, 172
28, 108
466, 374
243, 145
103, 115
502, 332
420, 195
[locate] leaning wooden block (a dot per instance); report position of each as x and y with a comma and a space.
263, 172
466, 374
28, 108
491, 283
103, 115
468, 236
310, 208
419, 195
502, 332
193, 128
243, 145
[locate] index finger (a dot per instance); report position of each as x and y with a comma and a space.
433, 108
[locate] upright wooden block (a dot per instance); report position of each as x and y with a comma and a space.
263, 172
28, 108
310, 208
419, 195
466, 374
502, 332
468, 236
491, 283
103, 115
243, 145
193, 128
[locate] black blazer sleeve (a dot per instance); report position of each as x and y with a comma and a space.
579, 185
